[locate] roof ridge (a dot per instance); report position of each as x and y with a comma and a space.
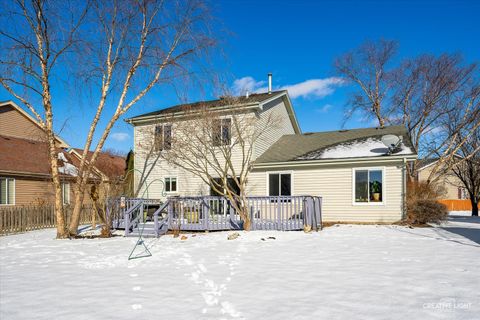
213, 101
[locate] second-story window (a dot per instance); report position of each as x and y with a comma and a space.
163, 137
222, 132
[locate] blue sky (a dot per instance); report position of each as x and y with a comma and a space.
297, 41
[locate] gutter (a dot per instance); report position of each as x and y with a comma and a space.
306, 163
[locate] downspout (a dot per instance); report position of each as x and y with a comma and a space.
404, 189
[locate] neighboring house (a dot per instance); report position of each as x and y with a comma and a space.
350, 169
450, 186
25, 175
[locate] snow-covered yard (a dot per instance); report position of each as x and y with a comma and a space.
343, 272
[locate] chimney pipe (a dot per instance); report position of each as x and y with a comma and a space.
269, 83
247, 94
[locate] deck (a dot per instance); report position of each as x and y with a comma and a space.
153, 218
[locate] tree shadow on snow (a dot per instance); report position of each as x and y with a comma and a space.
445, 235
472, 234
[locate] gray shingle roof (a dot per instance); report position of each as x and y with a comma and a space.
300, 146
222, 102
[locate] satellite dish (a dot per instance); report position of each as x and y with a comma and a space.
392, 142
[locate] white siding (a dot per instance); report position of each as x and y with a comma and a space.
277, 111
335, 185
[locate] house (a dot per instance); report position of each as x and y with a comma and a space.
25, 175
454, 194
352, 170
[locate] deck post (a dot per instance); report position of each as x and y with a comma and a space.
126, 222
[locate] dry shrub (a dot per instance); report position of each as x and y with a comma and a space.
426, 211
422, 204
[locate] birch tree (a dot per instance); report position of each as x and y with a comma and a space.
121, 49
35, 38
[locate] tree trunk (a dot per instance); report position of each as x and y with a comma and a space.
62, 231
474, 208
75, 219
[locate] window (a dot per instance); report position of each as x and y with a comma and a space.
368, 186
170, 184
230, 182
280, 184
7, 191
66, 193
222, 132
163, 137
462, 193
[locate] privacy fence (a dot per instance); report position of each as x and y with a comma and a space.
16, 219
457, 205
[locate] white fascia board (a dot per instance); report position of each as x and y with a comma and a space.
309, 163
182, 114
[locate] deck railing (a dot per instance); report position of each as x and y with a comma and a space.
217, 213
266, 213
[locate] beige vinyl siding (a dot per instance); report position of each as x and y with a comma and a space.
335, 185
39, 191
278, 111
448, 184
14, 124
187, 183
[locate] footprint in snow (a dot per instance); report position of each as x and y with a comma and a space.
228, 308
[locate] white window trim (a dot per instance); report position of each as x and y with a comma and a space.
14, 192
165, 184
63, 193
384, 187
292, 181
163, 135
231, 130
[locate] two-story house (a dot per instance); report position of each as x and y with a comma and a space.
352, 170
25, 174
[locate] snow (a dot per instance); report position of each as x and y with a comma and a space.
460, 213
69, 169
342, 272
365, 148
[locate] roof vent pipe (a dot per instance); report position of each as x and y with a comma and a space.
247, 94
270, 83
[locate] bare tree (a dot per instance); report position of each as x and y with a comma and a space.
367, 67
121, 48
428, 93
468, 171
218, 148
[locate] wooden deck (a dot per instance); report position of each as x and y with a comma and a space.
215, 213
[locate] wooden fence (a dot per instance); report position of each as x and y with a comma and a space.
457, 205
16, 219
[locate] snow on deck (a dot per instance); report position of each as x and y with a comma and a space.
365, 148
342, 272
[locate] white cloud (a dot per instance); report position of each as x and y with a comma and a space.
325, 108
120, 136
242, 85
317, 88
